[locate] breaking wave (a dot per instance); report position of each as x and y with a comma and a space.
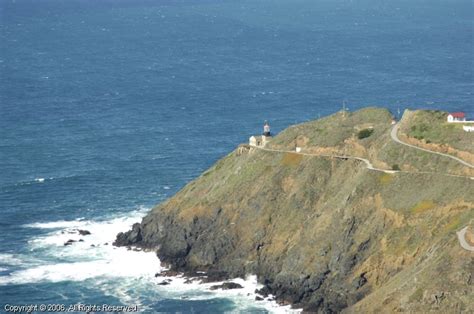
67, 252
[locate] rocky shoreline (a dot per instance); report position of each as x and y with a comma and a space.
323, 234
297, 292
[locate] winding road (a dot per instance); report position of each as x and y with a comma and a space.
366, 161
461, 234
369, 165
394, 136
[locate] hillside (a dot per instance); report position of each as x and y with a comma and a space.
327, 234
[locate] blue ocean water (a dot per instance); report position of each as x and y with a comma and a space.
108, 107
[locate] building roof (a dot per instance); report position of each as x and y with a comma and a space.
457, 114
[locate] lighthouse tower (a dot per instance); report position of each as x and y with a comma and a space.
266, 129
261, 140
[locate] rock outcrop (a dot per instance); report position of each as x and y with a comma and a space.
321, 233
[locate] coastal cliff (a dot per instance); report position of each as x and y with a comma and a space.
326, 233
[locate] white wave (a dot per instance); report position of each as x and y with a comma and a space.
94, 256
57, 224
9, 259
136, 265
40, 180
180, 288
122, 273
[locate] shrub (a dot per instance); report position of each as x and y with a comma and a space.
365, 133
396, 167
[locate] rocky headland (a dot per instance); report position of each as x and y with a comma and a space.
330, 234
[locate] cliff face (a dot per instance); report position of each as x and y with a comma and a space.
323, 233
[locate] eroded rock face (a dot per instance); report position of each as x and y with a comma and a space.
130, 237
320, 233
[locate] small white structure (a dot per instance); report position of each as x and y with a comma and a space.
298, 149
456, 117
261, 140
468, 128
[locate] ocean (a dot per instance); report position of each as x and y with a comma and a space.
108, 107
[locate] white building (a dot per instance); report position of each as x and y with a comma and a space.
456, 117
261, 140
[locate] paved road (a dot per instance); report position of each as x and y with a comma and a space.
462, 239
394, 136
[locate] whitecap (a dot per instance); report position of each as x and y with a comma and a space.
180, 287
93, 257
9, 259
40, 180
116, 271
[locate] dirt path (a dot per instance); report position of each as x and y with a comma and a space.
394, 136
366, 161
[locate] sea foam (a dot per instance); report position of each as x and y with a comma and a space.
117, 271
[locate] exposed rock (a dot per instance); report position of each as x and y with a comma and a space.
164, 283
324, 233
226, 286
84, 232
69, 242
130, 237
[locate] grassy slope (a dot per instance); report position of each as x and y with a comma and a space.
337, 134
431, 126
310, 214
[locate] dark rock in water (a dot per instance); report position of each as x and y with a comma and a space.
133, 236
264, 291
106, 243
157, 275
84, 232
227, 286
169, 273
81, 240
164, 283
213, 276
69, 242
92, 245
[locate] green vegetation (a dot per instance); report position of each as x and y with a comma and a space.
385, 178
287, 217
291, 159
364, 133
432, 127
423, 206
334, 130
